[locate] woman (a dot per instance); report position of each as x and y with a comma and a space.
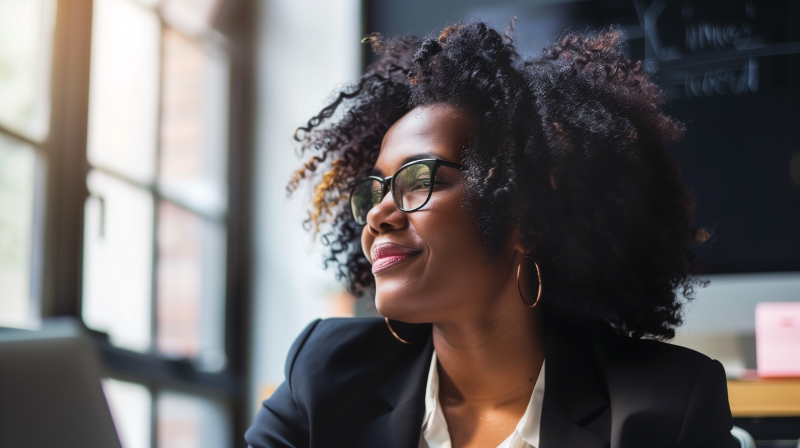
525, 231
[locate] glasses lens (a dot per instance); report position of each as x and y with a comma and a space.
365, 195
412, 186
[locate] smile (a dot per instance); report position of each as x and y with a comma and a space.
387, 255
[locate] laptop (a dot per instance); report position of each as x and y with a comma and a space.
50, 393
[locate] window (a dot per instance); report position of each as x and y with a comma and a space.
26, 34
155, 221
116, 202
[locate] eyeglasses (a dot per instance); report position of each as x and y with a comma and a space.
411, 186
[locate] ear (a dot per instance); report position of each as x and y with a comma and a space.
525, 242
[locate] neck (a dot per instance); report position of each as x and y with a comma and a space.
494, 359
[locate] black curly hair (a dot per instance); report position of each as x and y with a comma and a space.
571, 147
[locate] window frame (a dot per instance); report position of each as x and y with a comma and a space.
64, 152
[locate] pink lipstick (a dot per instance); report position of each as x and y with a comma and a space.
387, 255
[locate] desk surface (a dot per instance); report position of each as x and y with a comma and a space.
764, 398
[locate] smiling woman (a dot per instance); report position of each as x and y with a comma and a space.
510, 214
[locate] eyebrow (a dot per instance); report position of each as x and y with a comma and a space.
415, 157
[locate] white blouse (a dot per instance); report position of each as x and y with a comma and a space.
434, 432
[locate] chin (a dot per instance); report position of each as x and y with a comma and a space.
397, 304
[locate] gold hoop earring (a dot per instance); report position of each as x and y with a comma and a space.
395, 334
519, 287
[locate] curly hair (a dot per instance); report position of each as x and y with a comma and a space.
571, 147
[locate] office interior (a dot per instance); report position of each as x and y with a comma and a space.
145, 148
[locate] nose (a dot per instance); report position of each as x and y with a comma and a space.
386, 217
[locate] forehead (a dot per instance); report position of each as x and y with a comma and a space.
438, 131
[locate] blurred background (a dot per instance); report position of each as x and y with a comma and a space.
145, 146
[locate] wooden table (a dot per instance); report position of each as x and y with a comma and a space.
764, 397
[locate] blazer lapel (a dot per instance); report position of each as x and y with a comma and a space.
404, 393
575, 412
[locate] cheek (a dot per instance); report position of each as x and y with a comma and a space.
455, 278
453, 239
455, 263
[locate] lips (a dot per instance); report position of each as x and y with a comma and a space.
387, 255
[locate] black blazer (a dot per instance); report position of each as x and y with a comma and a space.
349, 383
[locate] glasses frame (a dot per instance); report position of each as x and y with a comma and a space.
387, 183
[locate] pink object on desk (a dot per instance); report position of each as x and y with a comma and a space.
778, 339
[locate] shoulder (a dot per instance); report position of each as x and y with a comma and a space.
347, 328
653, 367
330, 370
638, 355
324, 336
684, 389
336, 340
343, 330
344, 353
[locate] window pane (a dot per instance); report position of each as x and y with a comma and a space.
26, 36
194, 133
17, 180
123, 104
191, 287
186, 421
117, 270
130, 406
192, 15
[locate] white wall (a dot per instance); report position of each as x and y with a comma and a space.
306, 49
721, 321
728, 304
